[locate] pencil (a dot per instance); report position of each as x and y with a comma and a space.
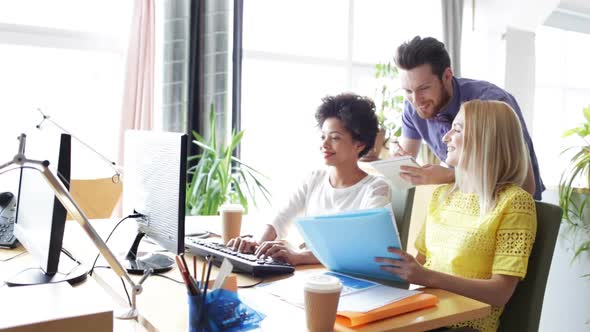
193, 290
184, 263
195, 267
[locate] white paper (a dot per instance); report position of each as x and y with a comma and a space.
390, 169
358, 295
373, 298
224, 271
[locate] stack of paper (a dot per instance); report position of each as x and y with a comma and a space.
361, 301
357, 295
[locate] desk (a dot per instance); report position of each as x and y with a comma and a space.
163, 303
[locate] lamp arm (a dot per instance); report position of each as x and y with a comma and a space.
117, 169
70, 204
66, 199
62, 193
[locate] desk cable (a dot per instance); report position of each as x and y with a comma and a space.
69, 254
153, 274
252, 285
8, 259
12, 257
135, 215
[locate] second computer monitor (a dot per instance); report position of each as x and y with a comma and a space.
41, 218
154, 186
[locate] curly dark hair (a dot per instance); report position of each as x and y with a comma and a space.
357, 115
420, 51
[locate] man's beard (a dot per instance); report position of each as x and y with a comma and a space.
445, 97
444, 100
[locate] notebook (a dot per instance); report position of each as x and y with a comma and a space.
390, 169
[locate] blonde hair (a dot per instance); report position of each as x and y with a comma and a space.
494, 151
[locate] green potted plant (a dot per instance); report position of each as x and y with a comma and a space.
220, 177
574, 192
388, 101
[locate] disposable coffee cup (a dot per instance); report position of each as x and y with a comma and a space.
322, 293
231, 220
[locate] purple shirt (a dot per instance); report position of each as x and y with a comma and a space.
432, 130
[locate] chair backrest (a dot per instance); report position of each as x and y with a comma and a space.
523, 311
96, 197
401, 203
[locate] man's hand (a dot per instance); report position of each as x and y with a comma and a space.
427, 174
243, 244
406, 267
398, 150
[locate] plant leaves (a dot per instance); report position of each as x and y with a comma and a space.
586, 111
219, 176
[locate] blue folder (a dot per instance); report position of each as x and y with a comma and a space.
349, 242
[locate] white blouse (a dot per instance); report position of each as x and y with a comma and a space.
315, 196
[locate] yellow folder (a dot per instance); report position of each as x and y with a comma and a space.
412, 303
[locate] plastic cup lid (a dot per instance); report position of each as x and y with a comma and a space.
231, 208
321, 283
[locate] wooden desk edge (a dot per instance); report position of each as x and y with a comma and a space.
419, 321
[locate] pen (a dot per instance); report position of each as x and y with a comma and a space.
204, 299
209, 265
400, 151
203, 271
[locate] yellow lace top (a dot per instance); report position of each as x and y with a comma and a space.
455, 240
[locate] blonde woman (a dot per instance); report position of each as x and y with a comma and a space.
479, 231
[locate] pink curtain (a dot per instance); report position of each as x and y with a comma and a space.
137, 112
138, 95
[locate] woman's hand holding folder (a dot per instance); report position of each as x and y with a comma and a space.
406, 267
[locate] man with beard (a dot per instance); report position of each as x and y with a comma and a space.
433, 99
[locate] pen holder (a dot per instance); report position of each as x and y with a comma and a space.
223, 311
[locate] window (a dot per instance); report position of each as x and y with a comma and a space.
562, 90
62, 58
295, 53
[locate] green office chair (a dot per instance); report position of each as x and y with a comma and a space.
523, 311
401, 203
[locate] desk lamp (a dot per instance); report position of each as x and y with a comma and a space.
116, 168
20, 161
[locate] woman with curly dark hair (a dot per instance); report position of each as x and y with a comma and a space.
348, 126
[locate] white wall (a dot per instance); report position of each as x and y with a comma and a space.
520, 70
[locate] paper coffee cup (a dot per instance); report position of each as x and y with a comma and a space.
231, 220
321, 295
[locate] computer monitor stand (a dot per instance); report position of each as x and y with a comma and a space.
138, 262
72, 273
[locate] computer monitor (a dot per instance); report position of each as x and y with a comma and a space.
154, 186
40, 217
